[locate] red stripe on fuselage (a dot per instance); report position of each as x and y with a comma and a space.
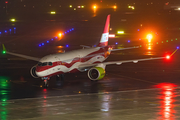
102, 51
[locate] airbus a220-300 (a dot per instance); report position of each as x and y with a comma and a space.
80, 60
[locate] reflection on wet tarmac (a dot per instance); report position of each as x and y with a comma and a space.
4, 95
167, 97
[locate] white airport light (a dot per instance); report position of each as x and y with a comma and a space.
112, 36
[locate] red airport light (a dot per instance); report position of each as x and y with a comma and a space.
6, 2
168, 57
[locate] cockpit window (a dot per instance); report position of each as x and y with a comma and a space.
45, 64
39, 64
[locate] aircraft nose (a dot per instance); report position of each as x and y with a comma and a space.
39, 74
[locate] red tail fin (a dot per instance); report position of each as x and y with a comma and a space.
105, 35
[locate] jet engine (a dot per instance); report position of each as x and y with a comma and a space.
33, 72
96, 73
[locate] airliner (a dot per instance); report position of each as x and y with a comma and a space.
89, 59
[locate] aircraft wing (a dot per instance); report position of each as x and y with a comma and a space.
125, 48
20, 55
123, 61
118, 62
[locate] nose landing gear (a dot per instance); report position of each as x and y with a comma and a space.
45, 82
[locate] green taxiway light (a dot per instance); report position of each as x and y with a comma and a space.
176, 38
4, 52
162, 41
157, 42
166, 40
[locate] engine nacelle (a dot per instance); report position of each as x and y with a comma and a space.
96, 73
33, 72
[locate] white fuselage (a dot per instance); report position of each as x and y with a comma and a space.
68, 62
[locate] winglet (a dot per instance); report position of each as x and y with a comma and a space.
4, 49
174, 52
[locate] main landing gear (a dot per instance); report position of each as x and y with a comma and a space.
60, 80
45, 82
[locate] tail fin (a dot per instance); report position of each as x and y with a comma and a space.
105, 35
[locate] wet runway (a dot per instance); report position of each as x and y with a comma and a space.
145, 90
161, 103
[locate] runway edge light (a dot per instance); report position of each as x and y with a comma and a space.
4, 49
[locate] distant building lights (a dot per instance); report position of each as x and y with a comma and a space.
74, 8
70, 6
82, 6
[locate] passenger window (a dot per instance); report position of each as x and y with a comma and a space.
50, 64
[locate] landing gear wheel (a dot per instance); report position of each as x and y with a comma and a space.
45, 83
60, 80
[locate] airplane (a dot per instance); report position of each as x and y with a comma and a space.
87, 59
